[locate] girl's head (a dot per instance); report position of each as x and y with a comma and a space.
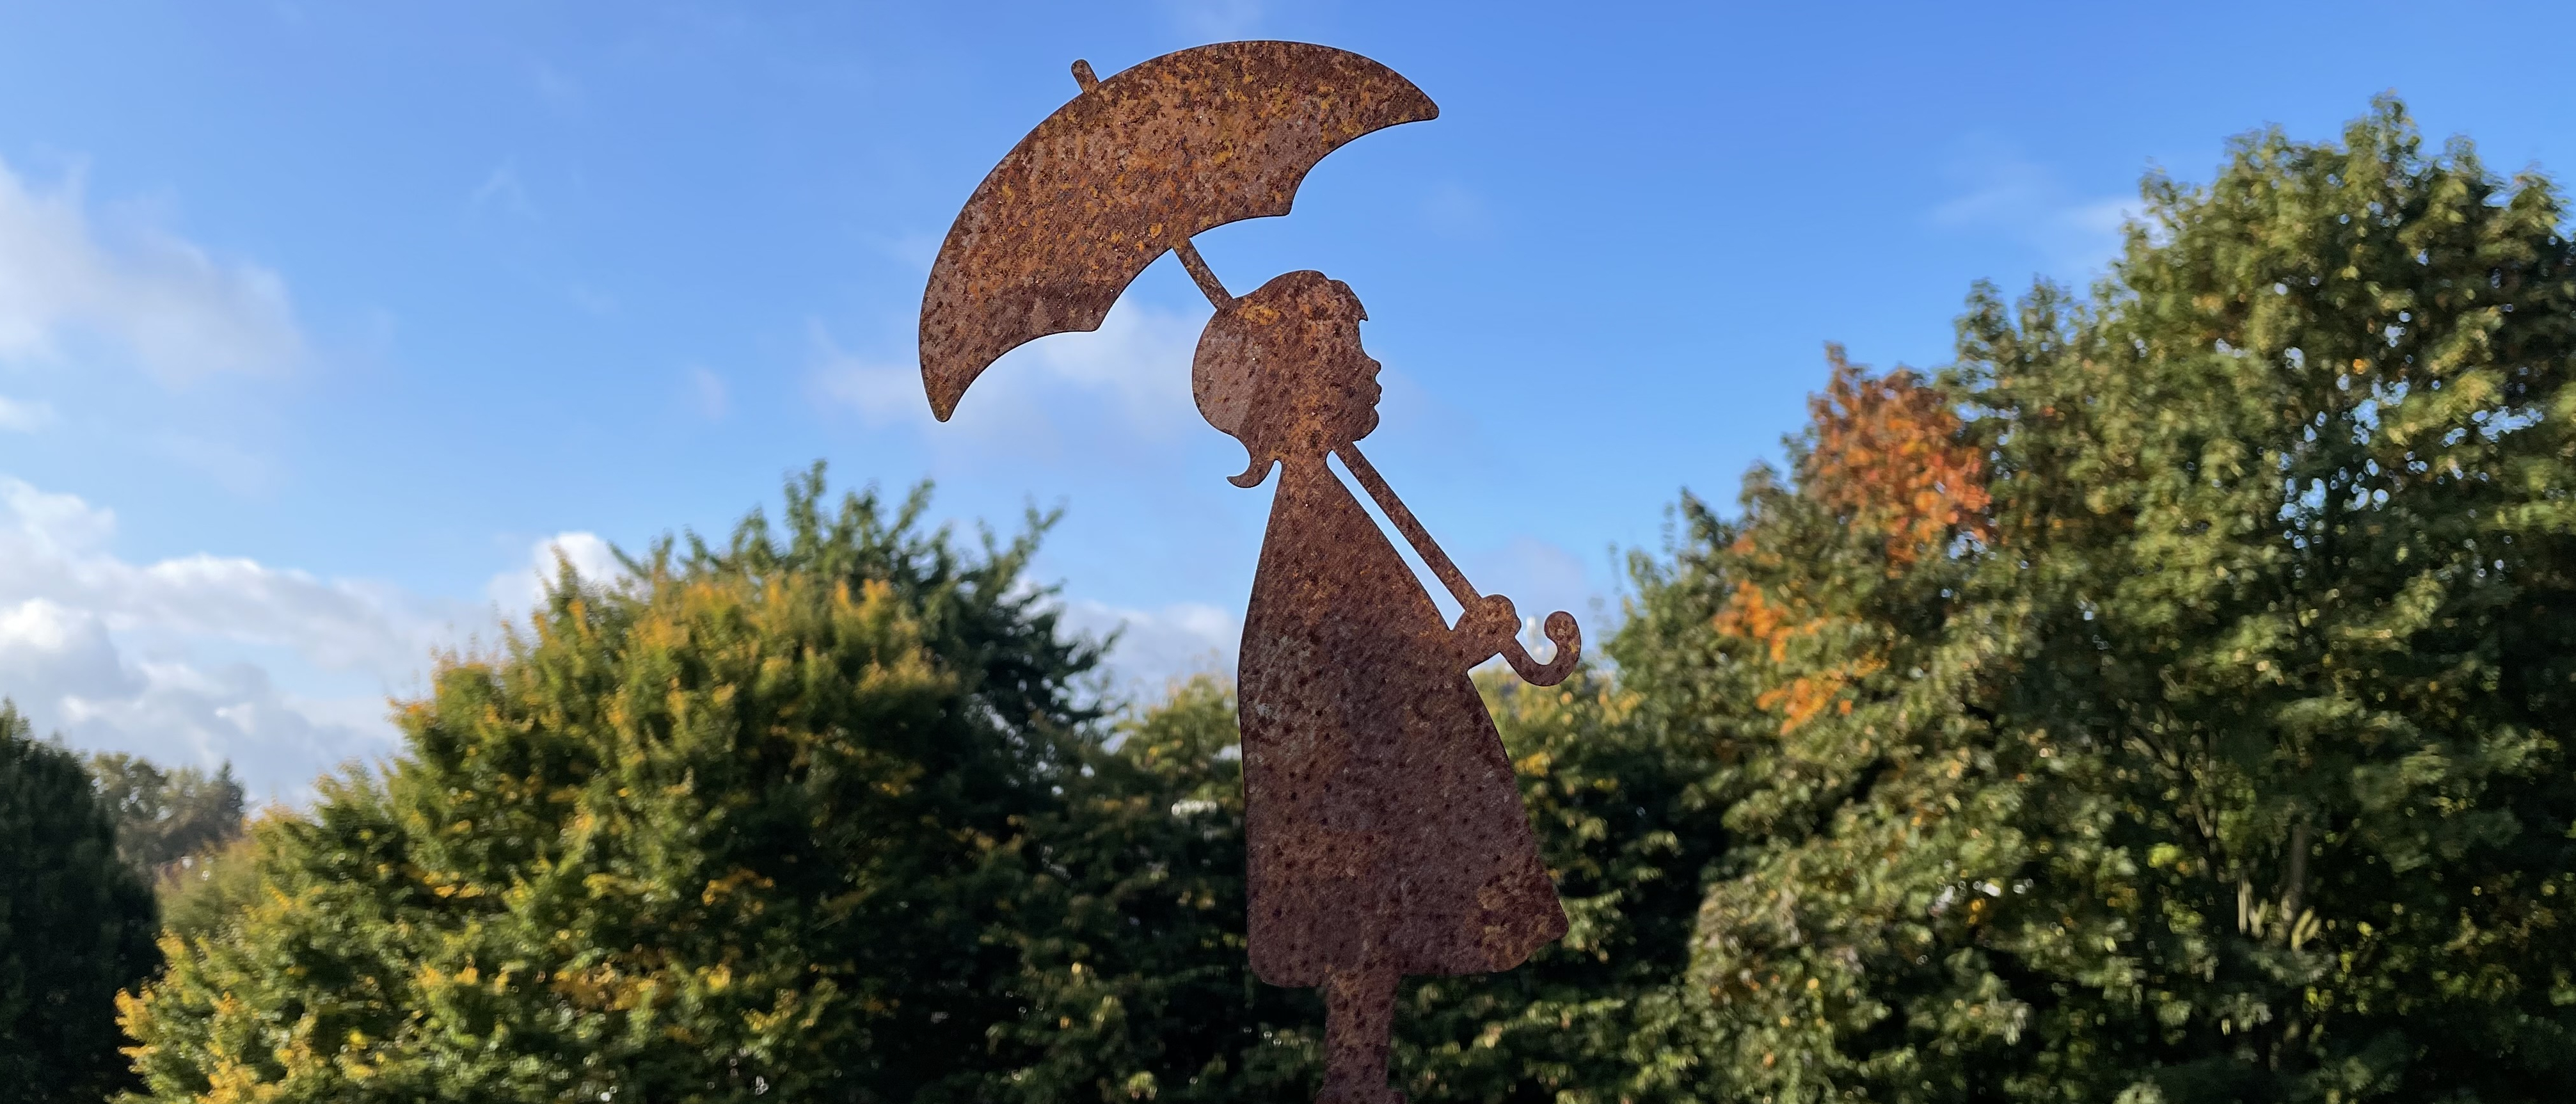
1282, 370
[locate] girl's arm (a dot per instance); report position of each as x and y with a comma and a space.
1561, 629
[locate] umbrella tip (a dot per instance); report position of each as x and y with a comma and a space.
1083, 75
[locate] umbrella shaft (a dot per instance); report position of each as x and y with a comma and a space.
1409, 525
1200, 272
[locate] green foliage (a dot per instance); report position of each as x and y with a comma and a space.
166, 816
75, 925
1625, 827
1131, 930
210, 889
2167, 702
747, 825
817, 816
2213, 745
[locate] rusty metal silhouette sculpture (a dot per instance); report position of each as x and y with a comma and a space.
1386, 835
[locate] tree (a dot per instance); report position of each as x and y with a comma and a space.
1627, 826
750, 824
210, 889
76, 925
1807, 646
165, 817
2203, 735
1131, 934
1136, 973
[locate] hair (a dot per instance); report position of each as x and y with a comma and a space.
1256, 357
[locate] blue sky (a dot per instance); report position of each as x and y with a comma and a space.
318, 322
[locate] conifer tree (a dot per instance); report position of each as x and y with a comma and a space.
1131, 932
76, 925
749, 825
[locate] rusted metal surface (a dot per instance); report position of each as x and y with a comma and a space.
1114, 179
1560, 627
1386, 834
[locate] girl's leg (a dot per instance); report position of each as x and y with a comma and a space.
1359, 1012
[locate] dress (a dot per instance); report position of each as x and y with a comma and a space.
1384, 824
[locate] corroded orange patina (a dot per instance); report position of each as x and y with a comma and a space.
1129, 169
1385, 832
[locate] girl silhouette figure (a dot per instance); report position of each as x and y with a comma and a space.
1386, 834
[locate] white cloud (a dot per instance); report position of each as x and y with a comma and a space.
174, 659
559, 91
1137, 365
57, 524
520, 589
881, 393
501, 188
54, 547
177, 311
65, 650
24, 415
916, 251
708, 393
1542, 577
1140, 356
1158, 646
591, 299
2024, 200
1453, 211
182, 713
243, 469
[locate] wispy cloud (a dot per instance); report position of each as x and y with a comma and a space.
1157, 646
562, 93
501, 190
24, 415
519, 589
209, 452
708, 394
1542, 577
592, 299
1136, 366
159, 658
142, 292
916, 251
880, 392
2002, 192
1453, 211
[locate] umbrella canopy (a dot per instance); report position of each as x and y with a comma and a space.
1125, 172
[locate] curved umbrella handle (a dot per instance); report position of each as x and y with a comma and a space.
1568, 638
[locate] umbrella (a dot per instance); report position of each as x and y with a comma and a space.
1126, 172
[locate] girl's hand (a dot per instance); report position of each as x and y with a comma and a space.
1486, 627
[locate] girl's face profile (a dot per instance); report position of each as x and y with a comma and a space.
1346, 391
1283, 371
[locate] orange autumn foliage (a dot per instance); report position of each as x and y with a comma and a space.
1884, 457
1751, 616
1887, 456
